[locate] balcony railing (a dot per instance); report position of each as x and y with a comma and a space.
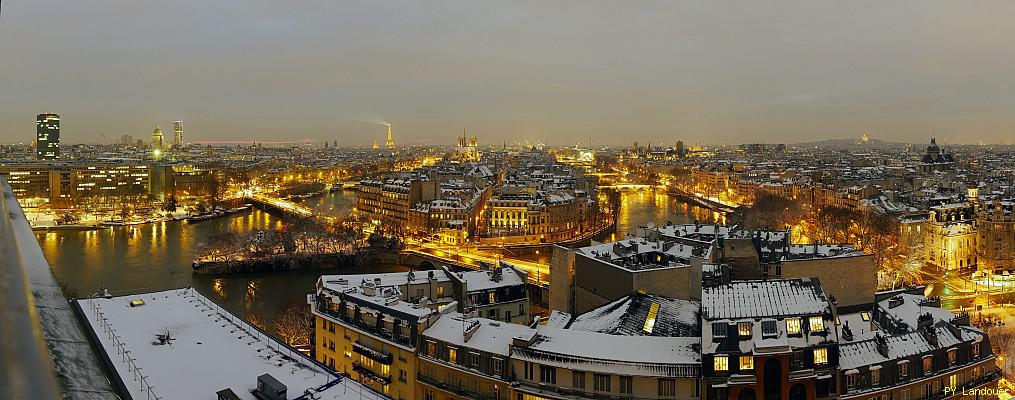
461, 391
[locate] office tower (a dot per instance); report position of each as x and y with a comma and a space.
390, 143
127, 140
178, 133
47, 135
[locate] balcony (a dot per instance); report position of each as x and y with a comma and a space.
322, 308
369, 374
438, 384
383, 358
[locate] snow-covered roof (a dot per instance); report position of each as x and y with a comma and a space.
628, 316
209, 350
490, 336
759, 299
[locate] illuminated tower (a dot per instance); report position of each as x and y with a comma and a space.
157, 138
47, 136
390, 143
177, 133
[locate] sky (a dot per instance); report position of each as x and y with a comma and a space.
555, 72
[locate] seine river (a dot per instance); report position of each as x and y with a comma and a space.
158, 256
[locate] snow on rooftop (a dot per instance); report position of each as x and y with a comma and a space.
614, 354
491, 336
628, 316
209, 350
759, 299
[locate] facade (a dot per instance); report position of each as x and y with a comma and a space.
950, 235
47, 137
995, 242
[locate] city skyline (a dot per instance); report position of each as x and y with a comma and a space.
703, 73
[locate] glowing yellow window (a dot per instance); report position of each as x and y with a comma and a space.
820, 356
746, 363
385, 369
452, 355
817, 324
953, 381
492, 298
793, 326
744, 329
721, 362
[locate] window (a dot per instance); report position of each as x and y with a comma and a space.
951, 356
721, 362
904, 394
928, 365
578, 379
498, 366
491, 300
975, 350
866, 316
385, 370
744, 330
976, 373
528, 370
473, 359
850, 381
875, 377
402, 375
626, 385
719, 330
452, 355
953, 382
903, 370
601, 382
817, 323
769, 329
820, 356
431, 348
521, 309
667, 387
746, 363
793, 326
547, 374
440, 291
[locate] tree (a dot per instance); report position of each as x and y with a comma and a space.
293, 324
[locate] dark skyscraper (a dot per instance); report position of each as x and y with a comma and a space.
47, 135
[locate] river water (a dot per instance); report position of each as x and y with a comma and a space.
158, 256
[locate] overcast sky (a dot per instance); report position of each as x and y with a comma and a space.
548, 71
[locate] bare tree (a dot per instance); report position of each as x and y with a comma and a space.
293, 324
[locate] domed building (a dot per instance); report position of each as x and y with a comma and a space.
936, 159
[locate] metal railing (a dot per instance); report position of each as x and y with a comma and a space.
26, 371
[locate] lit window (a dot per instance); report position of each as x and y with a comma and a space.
866, 316
793, 326
817, 324
721, 362
746, 363
769, 328
650, 319
744, 330
820, 356
719, 330
492, 298
953, 381
452, 355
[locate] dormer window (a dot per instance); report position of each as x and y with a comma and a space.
817, 324
769, 329
744, 330
719, 330
952, 356
793, 326
866, 316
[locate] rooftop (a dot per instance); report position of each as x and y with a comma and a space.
642, 315
759, 299
206, 350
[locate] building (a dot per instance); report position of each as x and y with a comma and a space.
390, 143
950, 236
178, 344
177, 134
995, 242
907, 347
936, 159
47, 136
157, 139
768, 339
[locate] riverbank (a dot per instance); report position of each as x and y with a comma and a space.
296, 262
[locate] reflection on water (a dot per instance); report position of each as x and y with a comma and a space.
641, 207
158, 257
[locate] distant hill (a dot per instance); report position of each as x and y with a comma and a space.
849, 143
